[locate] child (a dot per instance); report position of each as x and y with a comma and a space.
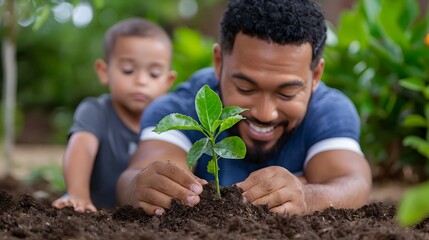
105, 132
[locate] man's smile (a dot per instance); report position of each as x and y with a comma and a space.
261, 129
260, 133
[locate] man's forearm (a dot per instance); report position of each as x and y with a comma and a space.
125, 186
342, 192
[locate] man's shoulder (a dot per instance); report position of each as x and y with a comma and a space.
327, 99
330, 114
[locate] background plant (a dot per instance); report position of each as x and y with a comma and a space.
55, 62
214, 119
414, 205
378, 44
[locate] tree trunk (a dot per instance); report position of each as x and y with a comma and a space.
9, 84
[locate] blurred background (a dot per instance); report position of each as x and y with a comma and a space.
376, 54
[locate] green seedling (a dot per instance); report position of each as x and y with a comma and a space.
214, 119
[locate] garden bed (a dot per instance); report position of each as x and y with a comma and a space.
25, 213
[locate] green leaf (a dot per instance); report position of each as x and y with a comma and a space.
352, 28
231, 148
371, 11
177, 121
409, 14
216, 124
426, 92
197, 150
231, 111
417, 143
415, 120
418, 31
211, 167
228, 112
208, 107
427, 112
381, 52
413, 83
414, 206
389, 21
42, 17
229, 122
99, 4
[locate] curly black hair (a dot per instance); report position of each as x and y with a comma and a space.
279, 21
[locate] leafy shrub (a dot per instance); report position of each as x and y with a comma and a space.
378, 44
414, 205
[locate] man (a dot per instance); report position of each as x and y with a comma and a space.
301, 136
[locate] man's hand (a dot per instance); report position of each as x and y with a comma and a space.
79, 204
278, 188
154, 187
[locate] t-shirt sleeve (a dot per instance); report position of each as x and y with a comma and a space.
90, 117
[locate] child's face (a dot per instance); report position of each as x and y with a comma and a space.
138, 72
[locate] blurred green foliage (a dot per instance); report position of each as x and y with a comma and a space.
414, 205
192, 51
378, 44
55, 57
421, 144
19, 120
376, 56
52, 174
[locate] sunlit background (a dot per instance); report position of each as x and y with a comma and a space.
375, 54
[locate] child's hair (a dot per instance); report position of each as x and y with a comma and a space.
280, 21
133, 27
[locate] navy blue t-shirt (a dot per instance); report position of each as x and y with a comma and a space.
330, 115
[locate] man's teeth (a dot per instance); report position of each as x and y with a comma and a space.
261, 129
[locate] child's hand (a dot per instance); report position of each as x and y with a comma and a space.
79, 204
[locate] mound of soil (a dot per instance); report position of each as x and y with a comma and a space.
28, 216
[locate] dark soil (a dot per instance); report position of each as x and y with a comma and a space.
25, 213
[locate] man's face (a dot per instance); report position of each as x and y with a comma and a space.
273, 81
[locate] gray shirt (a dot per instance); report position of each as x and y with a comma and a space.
116, 144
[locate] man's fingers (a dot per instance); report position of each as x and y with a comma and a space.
262, 189
289, 209
200, 180
180, 176
256, 178
151, 209
155, 202
166, 189
155, 197
284, 210
273, 199
161, 182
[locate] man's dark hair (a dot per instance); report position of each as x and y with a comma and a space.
132, 27
280, 21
